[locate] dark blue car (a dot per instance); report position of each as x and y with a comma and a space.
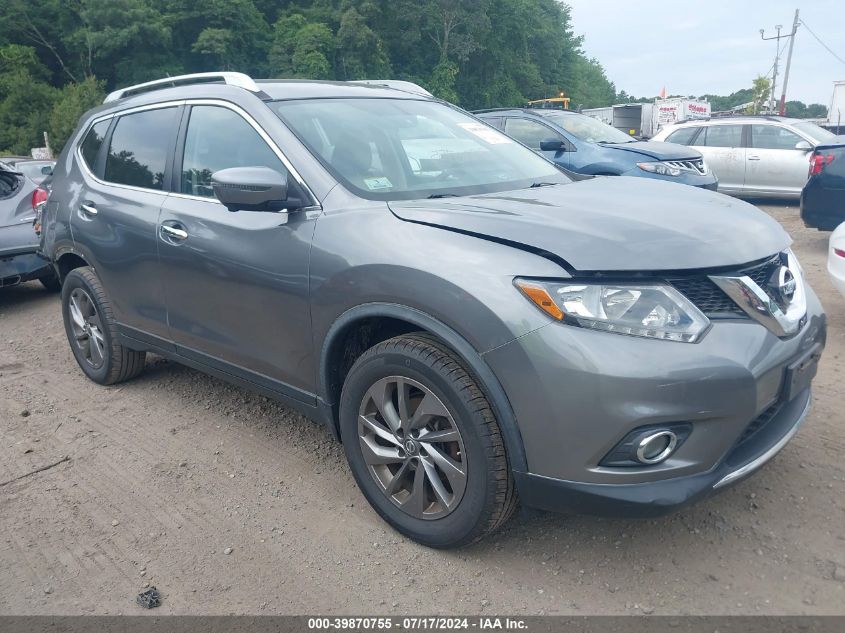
585, 145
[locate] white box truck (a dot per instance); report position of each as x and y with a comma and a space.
644, 120
836, 111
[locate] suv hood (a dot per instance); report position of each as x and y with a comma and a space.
657, 150
613, 224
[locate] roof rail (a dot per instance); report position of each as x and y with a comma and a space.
396, 84
232, 79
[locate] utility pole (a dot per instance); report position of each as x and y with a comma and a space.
782, 109
777, 39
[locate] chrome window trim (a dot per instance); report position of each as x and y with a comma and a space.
170, 104
84, 166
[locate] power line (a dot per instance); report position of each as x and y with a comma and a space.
818, 39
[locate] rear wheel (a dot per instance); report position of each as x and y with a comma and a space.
92, 333
423, 443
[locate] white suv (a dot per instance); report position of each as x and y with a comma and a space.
764, 156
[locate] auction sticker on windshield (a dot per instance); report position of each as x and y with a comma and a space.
378, 184
486, 133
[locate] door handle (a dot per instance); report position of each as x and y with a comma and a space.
88, 208
753, 158
173, 232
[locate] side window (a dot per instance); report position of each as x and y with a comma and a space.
773, 137
138, 150
219, 138
529, 133
720, 136
682, 136
92, 143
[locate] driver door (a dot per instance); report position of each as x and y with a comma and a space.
236, 283
532, 133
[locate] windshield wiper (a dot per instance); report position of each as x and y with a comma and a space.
434, 196
535, 185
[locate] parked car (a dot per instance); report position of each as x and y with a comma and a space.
19, 197
474, 326
823, 197
758, 157
35, 169
836, 259
588, 146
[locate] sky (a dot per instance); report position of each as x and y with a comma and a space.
712, 47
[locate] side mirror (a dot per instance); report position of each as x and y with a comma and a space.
552, 145
251, 189
803, 146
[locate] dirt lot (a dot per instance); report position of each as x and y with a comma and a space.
170, 470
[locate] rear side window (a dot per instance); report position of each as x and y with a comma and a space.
773, 137
529, 133
720, 136
219, 138
682, 136
138, 150
93, 142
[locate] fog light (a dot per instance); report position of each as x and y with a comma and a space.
648, 445
655, 447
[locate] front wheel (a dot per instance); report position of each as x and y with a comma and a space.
423, 443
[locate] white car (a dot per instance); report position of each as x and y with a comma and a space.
753, 156
836, 258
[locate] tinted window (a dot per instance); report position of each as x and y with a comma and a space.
93, 141
219, 138
138, 150
720, 136
773, 137
682, 136
528, 133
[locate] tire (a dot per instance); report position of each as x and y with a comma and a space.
51, 283
443, 395
92, 333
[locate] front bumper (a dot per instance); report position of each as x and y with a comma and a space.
577, 393
661, 497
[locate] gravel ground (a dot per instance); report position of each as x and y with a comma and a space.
230, 503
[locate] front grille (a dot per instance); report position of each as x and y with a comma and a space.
696, 165
707, 296
759, 422
711, 299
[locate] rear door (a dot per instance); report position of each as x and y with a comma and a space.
236, 283
114, 212
722, 147
775, 165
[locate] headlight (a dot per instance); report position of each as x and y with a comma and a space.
649, 310
661, 169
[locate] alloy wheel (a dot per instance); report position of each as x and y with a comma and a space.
412, 447
87, 328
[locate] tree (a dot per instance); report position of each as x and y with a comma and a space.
70, 104
761, 89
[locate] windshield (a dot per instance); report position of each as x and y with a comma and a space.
818, 134
587, 128
399, 149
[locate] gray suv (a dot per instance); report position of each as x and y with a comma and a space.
475, 327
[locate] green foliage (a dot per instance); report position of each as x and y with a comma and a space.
71, 103
57, 57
